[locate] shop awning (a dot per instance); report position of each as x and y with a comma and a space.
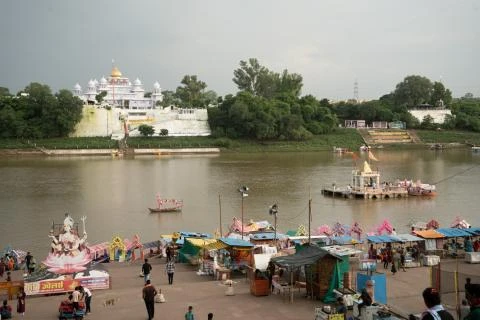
474, 231
309, 255
341, 251
345, 240
266, 236
382, 239
237, 243
200, 243
454, 232
429, 234
408, 238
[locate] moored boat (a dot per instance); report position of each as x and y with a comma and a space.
422, 189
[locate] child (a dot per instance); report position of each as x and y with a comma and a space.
189, 315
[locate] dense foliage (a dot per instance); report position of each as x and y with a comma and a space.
37, 113
268, 107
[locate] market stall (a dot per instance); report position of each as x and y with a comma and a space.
322, 271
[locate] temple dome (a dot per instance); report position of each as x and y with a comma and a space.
137, 82
103, 80
156, 85
77, 87
115, 73
91, 83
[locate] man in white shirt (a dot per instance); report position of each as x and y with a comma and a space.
88, 298
76, 298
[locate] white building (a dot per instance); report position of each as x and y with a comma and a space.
120, 92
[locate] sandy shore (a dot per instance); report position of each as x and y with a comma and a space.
208, 295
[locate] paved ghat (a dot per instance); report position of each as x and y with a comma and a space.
207, 295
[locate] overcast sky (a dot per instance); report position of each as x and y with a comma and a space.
330, 43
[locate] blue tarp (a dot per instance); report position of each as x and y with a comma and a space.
382, 239
266, 236
236, 242
345, 240
453, 232
474, 231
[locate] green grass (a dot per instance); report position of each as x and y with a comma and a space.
443, 136
345, 138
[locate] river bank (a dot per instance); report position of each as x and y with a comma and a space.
344, 138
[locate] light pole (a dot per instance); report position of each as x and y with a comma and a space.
273, 211
244, 192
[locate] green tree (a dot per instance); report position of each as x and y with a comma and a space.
440, 94
99, 97
146, 130
164, 132
247, 77
4, 92
413, 90
191, 93
169, 99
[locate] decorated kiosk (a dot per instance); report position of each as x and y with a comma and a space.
69, 263
133, 245
118, 249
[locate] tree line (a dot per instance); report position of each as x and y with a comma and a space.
268, 105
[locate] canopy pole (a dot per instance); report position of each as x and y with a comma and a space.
291, 285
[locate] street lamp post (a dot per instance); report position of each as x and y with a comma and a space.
273, 211
244, 192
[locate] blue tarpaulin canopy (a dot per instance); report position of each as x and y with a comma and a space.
345, 240
474, 231
266, 236
454, 232
236, 242
382, 239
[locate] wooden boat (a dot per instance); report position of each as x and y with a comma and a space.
422, 189
167, 205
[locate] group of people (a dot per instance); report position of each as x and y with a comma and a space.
470, 309
7, 264
77, 301
151, 295
6, 309
389, 255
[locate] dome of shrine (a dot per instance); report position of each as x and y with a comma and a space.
91, 83
103, 80
115, 73
137, 82
156, 85
77, 87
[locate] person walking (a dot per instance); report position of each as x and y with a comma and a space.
88, 299
169, 253
3, 267
28, 260
146, 269
21, 301
189, 315
402, 260
210, 316
149, 292
170, 270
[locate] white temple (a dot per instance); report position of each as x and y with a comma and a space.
120, 92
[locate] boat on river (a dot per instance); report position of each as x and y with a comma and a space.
422, 189
167, 205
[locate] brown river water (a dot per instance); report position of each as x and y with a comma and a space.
114, 193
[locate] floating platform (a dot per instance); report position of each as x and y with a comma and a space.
366, 193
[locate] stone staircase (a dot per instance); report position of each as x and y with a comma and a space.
374, 137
